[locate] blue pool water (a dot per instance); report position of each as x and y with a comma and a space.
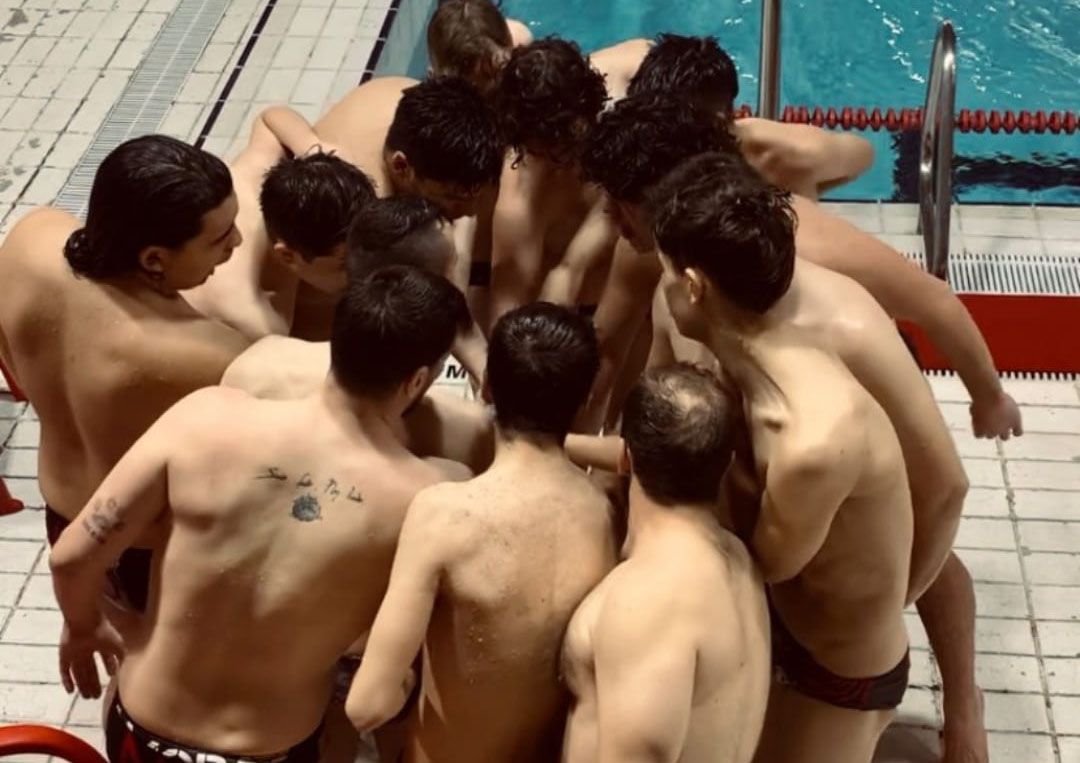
1012, 54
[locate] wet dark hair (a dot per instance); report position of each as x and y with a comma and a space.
150, 191
308, 201
468, 38
542, 361
448, 133
678, 423
384, 232
390, 323
639, 140
548, 94
715, 213
694, 68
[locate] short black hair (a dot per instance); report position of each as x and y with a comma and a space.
715, 213
308, 201
448, 133
391, 323
382, 229
150, 191
693, 68
639, 140
542, 361
548, 94
679, 423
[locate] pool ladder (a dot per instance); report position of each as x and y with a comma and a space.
935, 141
936, 152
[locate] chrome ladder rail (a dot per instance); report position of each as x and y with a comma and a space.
769, 64
936, 152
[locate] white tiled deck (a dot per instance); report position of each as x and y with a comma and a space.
64, 63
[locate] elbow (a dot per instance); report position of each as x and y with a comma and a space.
368, 710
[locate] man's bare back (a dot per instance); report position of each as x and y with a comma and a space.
691, 597
290, 556
99, 361
517, 564
357, 124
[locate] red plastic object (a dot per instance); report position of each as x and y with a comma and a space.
9, 504
1008, 322
31, 739
15, 391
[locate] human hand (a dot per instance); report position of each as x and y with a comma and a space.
996, 416
77, 649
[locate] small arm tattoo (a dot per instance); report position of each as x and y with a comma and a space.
104, 520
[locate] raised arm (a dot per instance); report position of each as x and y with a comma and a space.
909, 293
295, 133
124, 506
802, 158
804, 488
442, 425
595, 452
645, 662
385, 679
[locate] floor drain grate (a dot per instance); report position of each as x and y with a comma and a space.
990, 273
149, 94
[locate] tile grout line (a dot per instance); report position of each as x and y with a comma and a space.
1036, 640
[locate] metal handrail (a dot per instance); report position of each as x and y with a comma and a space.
936, 152
769, 70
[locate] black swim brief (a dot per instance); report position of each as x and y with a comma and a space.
480, 274
794, 666
129, 580
128, 742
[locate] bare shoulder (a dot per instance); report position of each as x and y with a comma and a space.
639, 599
37, 230
628, 52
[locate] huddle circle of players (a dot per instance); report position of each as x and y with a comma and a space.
272, 533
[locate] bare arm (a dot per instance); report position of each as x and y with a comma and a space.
623, 310
591, 451
802, 158
295, 133
384, 681
803, 492
445, 426
470, 349
517, 258
662, 350
592, 242
909, 293
645, 663
124, 506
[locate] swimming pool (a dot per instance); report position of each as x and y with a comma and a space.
1012, 54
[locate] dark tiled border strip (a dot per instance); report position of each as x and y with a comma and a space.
223, 97
384, 33
149, 93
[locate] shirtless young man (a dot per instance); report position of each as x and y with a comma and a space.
551, 237
833, 531
96, 332
294, 212
668, 658
399, 230
489, 572
274, 533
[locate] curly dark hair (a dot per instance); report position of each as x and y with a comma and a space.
468, 38
638, 141
695, 68
716, 214
548, 95
448, 132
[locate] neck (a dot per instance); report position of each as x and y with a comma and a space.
358, 413
649, 519
141, 282
737, 339
517, 446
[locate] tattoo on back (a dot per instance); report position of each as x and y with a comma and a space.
307, 507
104, 520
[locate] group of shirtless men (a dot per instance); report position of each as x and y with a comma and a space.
268, 557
